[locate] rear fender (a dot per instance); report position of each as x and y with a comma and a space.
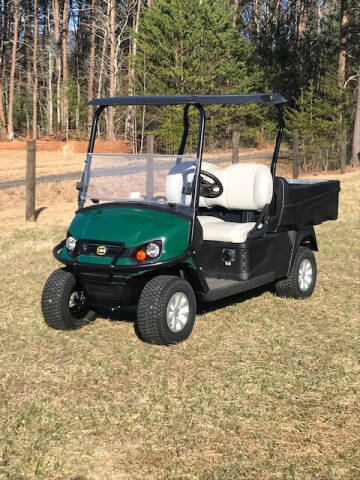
304, 238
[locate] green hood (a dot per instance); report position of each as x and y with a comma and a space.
133, 226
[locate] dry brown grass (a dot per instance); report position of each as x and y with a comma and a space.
47, 163
265, 388
52, 158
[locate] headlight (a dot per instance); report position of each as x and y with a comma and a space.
149, 251
70, 243
153, 250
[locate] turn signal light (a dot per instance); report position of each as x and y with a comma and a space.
141, 255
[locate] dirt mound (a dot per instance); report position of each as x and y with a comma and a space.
104, 146
101, 146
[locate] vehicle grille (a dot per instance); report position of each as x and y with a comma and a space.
91, 248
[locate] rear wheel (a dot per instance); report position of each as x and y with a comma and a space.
166, 311
302, 278
63, 302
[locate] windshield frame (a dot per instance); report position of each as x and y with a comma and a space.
275, 100
151, 179
82, 186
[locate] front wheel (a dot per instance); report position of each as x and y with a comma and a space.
302, 278
166, 311
63, 302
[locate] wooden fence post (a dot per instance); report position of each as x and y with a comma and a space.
30, 181
235, 147
150, 140
295, 155
343, 152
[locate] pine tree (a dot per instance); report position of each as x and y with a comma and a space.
188, 47
315, 116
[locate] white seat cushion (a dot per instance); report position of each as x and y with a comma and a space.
218, 230
204, 219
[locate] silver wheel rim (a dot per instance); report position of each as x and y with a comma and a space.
73, 300
177, 312
305, 274
76, 304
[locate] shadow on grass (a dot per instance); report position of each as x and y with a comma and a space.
123, 314
38, 211
128, 313
209, 307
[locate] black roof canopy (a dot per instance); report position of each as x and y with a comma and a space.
262, 98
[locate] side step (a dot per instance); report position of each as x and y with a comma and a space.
221, 288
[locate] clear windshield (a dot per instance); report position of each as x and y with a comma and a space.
161, 179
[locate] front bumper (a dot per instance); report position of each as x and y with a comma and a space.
111, 269
109, 285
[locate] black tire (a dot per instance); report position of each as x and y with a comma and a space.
291, 286
151, 324
60, 289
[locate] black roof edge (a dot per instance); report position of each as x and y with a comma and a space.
262, 98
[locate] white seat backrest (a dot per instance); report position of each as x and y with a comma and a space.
247, 186
179, 176
182, 175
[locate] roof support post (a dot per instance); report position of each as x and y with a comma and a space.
199, 153
185, 131
94, 128
281, 126
83, 184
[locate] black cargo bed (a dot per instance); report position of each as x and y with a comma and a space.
300, 203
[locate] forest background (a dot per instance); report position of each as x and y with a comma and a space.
56, 55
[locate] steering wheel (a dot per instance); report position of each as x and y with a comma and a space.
210, 189
159, 198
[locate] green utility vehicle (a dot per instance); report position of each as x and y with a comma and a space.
161, 232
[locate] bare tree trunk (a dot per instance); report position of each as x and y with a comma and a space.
56, 13
355, 159
65, 107
77, 113
2, 115
130, 122
134, 53
255, 18
91, 62
102, 63
344, 21
128, 114
110, 130
12, 70
301, 19
49, 86
103, 52
28, 84
3, 31
35, 71
50, 94
130, 119
320, 14
236, 12
144, 108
